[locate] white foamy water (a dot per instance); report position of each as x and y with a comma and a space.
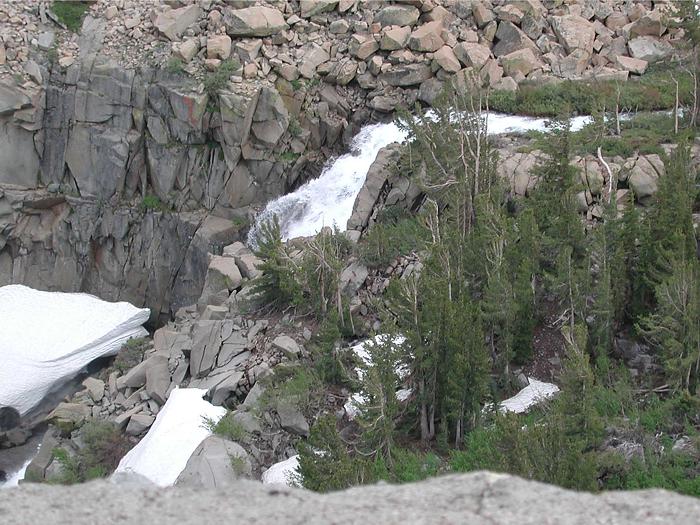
329, 199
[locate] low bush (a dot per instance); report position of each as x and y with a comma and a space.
395, 233
651, 92
226, 428
103, 447
70, 14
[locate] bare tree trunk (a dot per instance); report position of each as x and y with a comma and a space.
675, 107
424, 430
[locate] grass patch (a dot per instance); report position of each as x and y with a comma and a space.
651, 92
175, 65
153, 202
289, 156
70, 14
226, 428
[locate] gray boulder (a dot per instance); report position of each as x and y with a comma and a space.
216, 463
477, 498
397, 15
254, 21
174, 22
291, 418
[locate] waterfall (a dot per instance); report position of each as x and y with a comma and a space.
329, 199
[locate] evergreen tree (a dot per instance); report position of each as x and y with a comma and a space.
674, 328
324, 462
553, 200
467, 369
668, 232
379, 408
279, 285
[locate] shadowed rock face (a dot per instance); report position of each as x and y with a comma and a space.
477, 498
9, 418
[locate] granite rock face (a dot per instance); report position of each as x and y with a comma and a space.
477, 498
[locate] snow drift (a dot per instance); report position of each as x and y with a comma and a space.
46, 338
178, 430
283, 473
531, 395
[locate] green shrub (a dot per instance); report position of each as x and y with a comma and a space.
226, 428
217, 80
395, 233
175, 65
240, 223
70, 14
651, 92
130, 355
289, 156
103, 447
278, 286
153, 202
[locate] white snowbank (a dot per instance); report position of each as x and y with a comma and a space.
46, 338
282, 473
329, 199
531, 395
177, 431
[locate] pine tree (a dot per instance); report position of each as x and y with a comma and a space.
324, 461
379, 408
668, 232
553, 201
674, 328
279, 285
467, 369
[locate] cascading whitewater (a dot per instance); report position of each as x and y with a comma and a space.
329, 199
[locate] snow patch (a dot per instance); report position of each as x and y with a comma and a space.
49, 337
177, 431
531, 395
282, 473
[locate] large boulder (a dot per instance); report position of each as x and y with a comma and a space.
397, 15
476, 498
215, 464
158, 379
427, 38
472, 54
574, 32
291, 418
254, 21
522, 61
446, 59
376, 178
406, 75
395, 38
362, 46
651, 24
174, 22
633, 65
649, 48
312, 57
311, 8
644, 175
510, 38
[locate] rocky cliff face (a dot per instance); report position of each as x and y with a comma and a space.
478, 498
